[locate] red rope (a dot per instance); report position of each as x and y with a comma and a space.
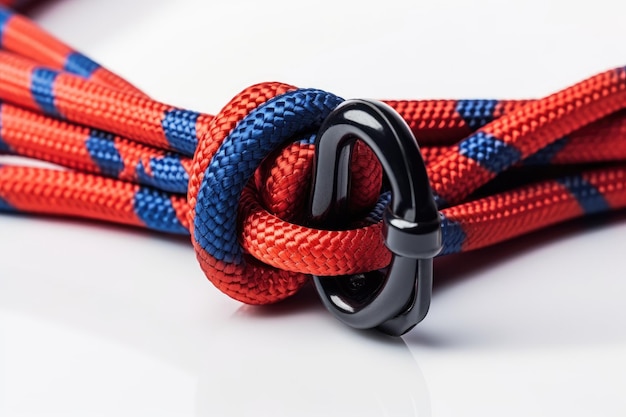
59, 106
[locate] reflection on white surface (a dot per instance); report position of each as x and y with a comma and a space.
530, 327
51, 369
298, 361
561, 287
100, 320
275, 370
145, 334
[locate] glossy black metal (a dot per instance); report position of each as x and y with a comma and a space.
395, 300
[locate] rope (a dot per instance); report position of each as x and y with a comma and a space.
236, 182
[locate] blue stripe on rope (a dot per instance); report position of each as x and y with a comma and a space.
179, 127
308, 139
376, 213
5, 16
167, 174
588, 196
6, 207
490, 152
103, 153
545, 155
42, 90
439, 202
4, 147
476, 113
258, 134
452, 235
154, 208
79, 64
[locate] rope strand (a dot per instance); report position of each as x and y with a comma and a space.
236, 182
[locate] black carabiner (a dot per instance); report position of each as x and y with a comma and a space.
395, 300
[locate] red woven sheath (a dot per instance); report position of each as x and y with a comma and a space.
60, 107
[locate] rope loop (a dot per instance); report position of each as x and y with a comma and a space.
274, 114
128, 160
234, 151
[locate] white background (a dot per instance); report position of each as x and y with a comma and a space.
100, 320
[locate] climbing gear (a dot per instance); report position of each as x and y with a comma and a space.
237, 182
396, 300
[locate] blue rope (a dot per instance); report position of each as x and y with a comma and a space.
283, 118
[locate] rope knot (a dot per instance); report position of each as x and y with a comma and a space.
252, 126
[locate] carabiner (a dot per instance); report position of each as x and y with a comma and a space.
395, 300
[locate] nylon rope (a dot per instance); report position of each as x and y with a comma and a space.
236, 182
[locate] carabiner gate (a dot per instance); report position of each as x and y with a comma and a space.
395, 300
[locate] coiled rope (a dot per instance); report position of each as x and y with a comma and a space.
237, 182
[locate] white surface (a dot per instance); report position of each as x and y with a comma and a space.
99, 320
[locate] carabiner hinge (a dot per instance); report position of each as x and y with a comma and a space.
393, 300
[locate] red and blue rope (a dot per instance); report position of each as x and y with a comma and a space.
237, 181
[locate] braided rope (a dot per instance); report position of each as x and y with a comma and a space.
237, 181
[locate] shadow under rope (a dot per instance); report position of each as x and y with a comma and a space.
291, 357
297, 343
298, 360
494, 297
381, 372
452, 269
535, 321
